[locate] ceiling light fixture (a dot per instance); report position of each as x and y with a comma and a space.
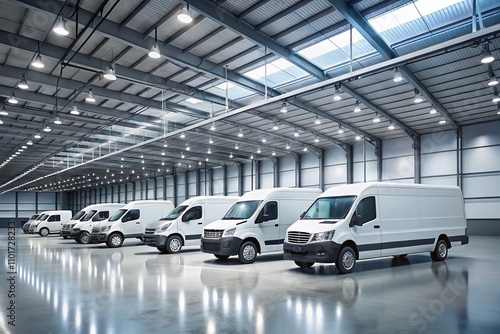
275, 126
23, 84
418, 97
184, 15
57, 121
304, 149
496, 98
391, 126
12, 99
1, 122
4, 112
258, 150
316, 139
493, 81
210, 141
358, 137
240, 133
433, 110
110, 73
274, 153
287, 146
231, 155
442, 121
187, 147
264, 139
29, 142
357, 107
296, 133
487, 56
336, 95
90, 96
317, 121
37, 62
60, 27
376, 119
212, 127
47, 129
236, 146
154, 52
398, 77
183, 135
283, 109
209, 151
37, 136
340, 130
74, 111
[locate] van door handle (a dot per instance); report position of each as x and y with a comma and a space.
376, 226
276, 225
137, 222
200, 223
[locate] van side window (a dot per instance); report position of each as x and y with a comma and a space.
132, 215
54, 218
366, 210
101, 215
271, 210
193, 213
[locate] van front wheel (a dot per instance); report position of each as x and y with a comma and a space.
44, 232
346, 261
247, 253
114, 240
84, 238
174, 244
440, 253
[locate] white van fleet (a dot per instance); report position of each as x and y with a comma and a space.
184, 225
370, 220
66, 227
81, 228
26, 226
52, 222
129, 222
256, 223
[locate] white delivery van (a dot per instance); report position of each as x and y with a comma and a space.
26, 226
184, 225
52, 222
129, 222
65, 228
80, 229
256, 223
370, 220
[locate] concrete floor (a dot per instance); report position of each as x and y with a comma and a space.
64, 287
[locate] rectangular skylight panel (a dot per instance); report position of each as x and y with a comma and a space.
223, 85
426, 7
318, 49
193, 100
344, 39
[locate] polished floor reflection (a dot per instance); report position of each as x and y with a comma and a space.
64, 287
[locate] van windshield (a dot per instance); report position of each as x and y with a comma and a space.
34, 217
43, 217
175, 213
242, 210
330, 208
118, 214
88, 216
78, 215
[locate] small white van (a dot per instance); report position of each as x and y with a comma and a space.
26, 226
41, 216
52, 222
184, 225
256, 223
370, 220
129, 222
80, 228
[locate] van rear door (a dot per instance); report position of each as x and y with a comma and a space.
365, 227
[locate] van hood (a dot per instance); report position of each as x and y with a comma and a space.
158, 223
224, 224
314, 225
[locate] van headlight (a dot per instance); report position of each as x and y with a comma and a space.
229, 232
323, 236
105, 228
162, 228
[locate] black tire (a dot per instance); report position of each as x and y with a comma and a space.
440, 253
400, 255
174, 244
346, 260
114, 240
162, 250
221, 257
304, 264
83, 238
247, 253
65, 237
44, 232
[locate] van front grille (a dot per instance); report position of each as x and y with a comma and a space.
213, 234
296, 237
211, 247
150, 231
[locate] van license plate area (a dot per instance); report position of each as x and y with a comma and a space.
298, 249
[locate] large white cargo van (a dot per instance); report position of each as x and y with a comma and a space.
256, 223
129, 222
80, 228
362, 221
184, 225
52, 222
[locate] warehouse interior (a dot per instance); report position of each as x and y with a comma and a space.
118, 101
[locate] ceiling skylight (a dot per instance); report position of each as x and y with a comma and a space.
223, 85
193, 100
279, 72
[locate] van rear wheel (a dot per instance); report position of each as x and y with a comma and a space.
440, 253
174, 244
247, 253
346, 260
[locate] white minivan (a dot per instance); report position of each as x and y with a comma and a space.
369, 220
129, 222
184, 225
52, 222
80, 229
256, 223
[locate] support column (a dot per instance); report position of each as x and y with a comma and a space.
224, 180
257, 174
211, 182
297, 170
459, 158
378, 153
133, 190
164, 187
186, 185
321, 169
349, 164
198, 183
174, 175
276, 175
155, 182
417, 160
240, 179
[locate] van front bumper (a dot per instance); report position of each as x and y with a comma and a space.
98, 238
222, 246
154, 240
323, 252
